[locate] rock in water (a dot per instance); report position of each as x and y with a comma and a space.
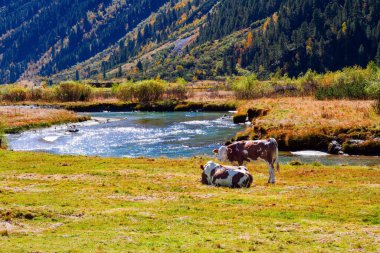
335, 148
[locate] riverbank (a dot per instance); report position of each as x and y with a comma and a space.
307, 123
68, 203
115, 105
298, 123
17, 119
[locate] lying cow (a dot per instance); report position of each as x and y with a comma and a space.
227, 176
246, 151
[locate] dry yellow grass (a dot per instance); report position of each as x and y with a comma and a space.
23, 117
210, 96
305, 116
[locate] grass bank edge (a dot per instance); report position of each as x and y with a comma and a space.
43, 124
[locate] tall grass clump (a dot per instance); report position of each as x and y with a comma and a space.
72, 91
177, 90
308, 83
149, 90
248, 87
373, 90
350, 83
14, 93
142, 91
124, 91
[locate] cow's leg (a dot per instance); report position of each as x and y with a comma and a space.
271, 179
271, 175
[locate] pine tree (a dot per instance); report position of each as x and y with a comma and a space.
140, 66
77, 75
377, 57
224, 66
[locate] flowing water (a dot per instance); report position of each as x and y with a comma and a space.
150, 134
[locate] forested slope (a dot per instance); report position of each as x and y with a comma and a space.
194, 39
40, 37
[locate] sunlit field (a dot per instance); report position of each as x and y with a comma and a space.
55, 203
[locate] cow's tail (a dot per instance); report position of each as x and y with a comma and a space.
275, 158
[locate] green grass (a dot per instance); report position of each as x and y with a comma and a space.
91, 204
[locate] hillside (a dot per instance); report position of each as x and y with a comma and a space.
194, 39
40, 37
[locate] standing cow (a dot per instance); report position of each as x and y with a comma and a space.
227, 176
246, 151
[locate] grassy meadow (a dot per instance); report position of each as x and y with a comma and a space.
52, 203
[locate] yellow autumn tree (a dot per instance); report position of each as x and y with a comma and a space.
249, 40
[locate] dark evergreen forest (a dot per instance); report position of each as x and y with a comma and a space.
40, 37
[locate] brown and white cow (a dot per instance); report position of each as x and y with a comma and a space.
227, 176
246, 151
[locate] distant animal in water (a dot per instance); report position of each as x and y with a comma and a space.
226, 176
72, 129
246, 151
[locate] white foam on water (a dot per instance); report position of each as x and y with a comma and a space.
197, 122
51, 138
309, 153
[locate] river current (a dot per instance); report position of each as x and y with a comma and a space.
150, 134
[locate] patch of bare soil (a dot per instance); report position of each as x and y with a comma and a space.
143, 198
54, 177
29, 188
16, 227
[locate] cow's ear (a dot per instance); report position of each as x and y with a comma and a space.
216, 151
202, 167
229, 150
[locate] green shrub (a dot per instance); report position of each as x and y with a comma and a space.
373, 91
73, 91
124, 91
248, 87
14, 94
149, 90
48, 94
35, 94
348, 83
309, 83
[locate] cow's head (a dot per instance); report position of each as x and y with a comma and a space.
222, 153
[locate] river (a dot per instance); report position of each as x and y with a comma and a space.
151, 134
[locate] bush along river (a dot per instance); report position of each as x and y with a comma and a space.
152, 134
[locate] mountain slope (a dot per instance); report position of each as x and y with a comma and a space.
236, 36
194, 39
39, 37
